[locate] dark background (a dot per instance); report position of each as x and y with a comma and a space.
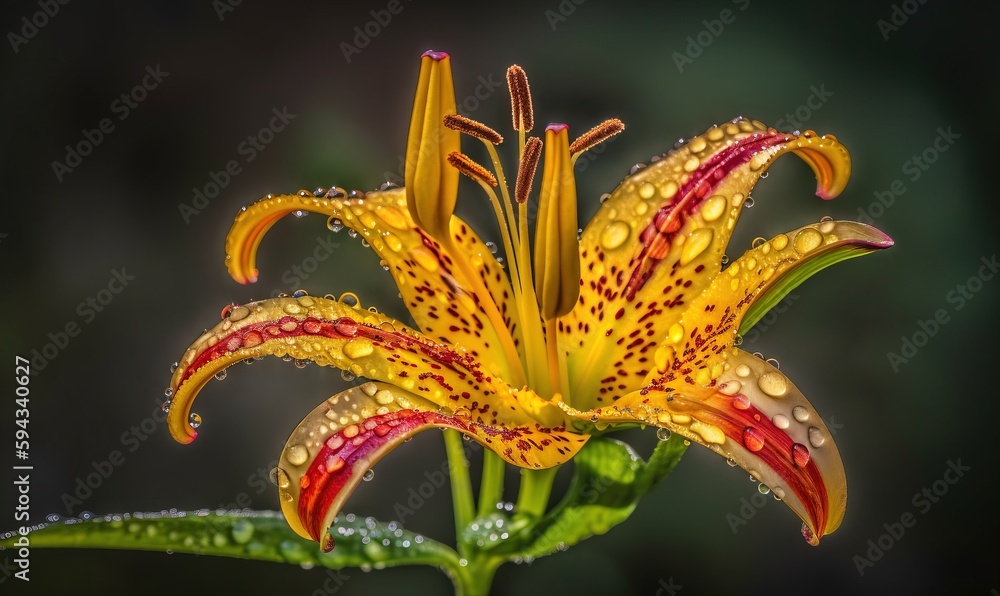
119, 210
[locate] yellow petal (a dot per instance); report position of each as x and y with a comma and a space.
437, 293
331, 333
432, 184
331, 449
658, 241
709, 326
757, 419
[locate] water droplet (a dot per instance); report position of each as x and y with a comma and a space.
731, 461
173, 368
165, 407
334, 224
778, 492
757, 242
297, 455
301, 213
816, 437
663, 434
492, 247
368, 475
194, 420
387, 185
384, 264
615, 234
763, 175
763, 488
349, 299
753, 439
773, 383
799, 413
347, 375
647, 190
807, 240
748, 203
800, 455
358, 348
697, 242
781, 421
299, 293
774, 362
299, 363
636, 168
279, 478
352, 233
725, 259
221, 375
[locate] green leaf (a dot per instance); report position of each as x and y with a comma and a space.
608, 481
261, 536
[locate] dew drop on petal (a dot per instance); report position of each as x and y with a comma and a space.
615, 234
221, 375
194, 420
663, 434
297, 455
368, 475
763, 488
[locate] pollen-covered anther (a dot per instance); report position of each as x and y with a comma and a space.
600, 133
527, 168
463, 163
472, 128
520, 99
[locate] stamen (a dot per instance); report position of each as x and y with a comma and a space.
600, 133
520, 99
463, 163
472, 128
526, 169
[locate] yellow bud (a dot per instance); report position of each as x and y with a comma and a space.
431, 184
557, 257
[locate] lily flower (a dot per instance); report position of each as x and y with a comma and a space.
636, 321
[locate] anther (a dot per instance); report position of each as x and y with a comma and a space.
526, 169
472, 128
520, 99
600, 133
464, 164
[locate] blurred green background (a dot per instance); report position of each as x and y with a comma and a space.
669, 70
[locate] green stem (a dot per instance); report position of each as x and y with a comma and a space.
536, 485
461, 484
476, 576
491, 489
